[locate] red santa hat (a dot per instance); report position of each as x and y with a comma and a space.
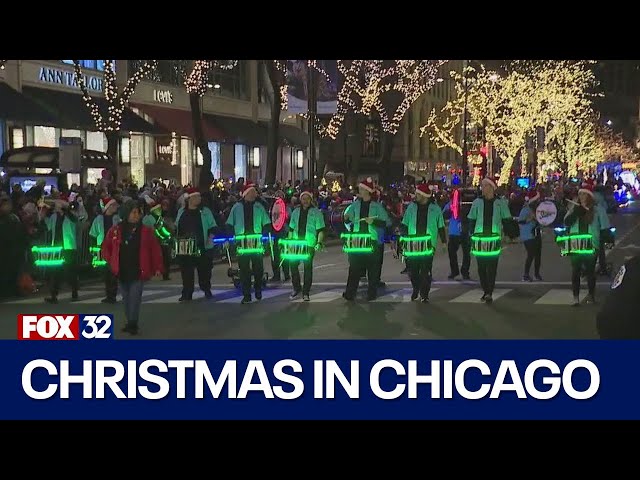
586, 187
367, 185
423, 189
192, 192
488, 181
532, 195
306, 192
107, 202
155, 206
247, 188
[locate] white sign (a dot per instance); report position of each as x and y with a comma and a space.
65, 78
163, 96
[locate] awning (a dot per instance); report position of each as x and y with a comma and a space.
179, 121
71, 111
239, 130
293, 136
16, 106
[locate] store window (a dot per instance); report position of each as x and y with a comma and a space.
216, 165
92, 64
74, 134
125, 151
232, 83
240, 161
96, 141
149, 149
17, 137
44, 137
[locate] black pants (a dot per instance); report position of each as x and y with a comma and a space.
276, 262
534, 255
67, 272
602, 258
110, 284
188, 265
307, 265
166, 260
420, 274
9, 272
251, 265
455, 242
588, 262
487, 271
380, 262
360, 264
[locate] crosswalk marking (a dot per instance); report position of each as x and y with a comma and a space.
556, 296
403, 295
473, 296
322, 297
266, 295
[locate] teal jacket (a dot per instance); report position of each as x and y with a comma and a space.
376, 229
500, 212
97, 228
600, 222
208, 223
435, 220
236, 218
526, 224
68, 231
315, 224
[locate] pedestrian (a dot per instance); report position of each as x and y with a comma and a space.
531, 235
456, 211
134, 256
100, 226
618, 318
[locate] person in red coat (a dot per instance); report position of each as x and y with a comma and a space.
134, 256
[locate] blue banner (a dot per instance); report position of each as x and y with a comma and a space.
324, 379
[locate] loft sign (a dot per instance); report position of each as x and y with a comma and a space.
68, 79
163, 96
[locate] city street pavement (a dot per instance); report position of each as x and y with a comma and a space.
520, 310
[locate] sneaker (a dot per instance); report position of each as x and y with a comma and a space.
305, 298
382, 284
452, 277
576, 302
424, 299
466, 277
414, 296
294, 295
74, 297
538, 278
184, 298
258, 296
208, 295
590, 299
347, 297
483, 298
245, 300
488, 299
526, 278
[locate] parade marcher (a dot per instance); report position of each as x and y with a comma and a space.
61, 226
365, 216
276, 263
531, 235
197, 222
249, 217
155, 219
586, 217
14, 242
423, 217
486, 219
134, 256
100, 226
618, 318
307, 222
456, 213
382, 233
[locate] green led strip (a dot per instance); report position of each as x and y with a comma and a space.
356, 249
482, 253
94, 249
581, 236
163, 234
49, 263
294, 243
422, 253
46, 249
492, 238
249, 251
248, 237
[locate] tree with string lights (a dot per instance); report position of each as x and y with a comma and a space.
197, 84
612, 146
277, 73
109, 122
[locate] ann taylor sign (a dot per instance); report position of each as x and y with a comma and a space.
65, 78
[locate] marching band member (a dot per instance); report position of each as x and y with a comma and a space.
61, 225
155, 219
586, 217
458, 236
249, 217
423, 217
276, 263
133, 254
196, 221
486, 217
307, 222
100, 226
365, 215
531, 235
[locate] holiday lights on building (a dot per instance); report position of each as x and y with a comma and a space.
335, 186
116, 102
198, 79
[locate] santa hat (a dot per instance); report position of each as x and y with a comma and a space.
488, 181
587, 187
192, 192
155, 206
247, 188
62, 201
423, 189
107, 202
532, 195
367, 185
306, 192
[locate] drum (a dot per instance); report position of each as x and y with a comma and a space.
96, 257
486, 246
546, 213
357, 243
417, 246
50, 257
293, 250
249, 244
185, 247
278, 214
579, 244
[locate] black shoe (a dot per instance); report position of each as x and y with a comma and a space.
382, 284
208, 295
131, 330
405, 271
466, 277
488, 299
452, 276
246, 300
589, 299
483, 298
185, 298
576, 302
74, 297
305, 297
258, 296
347, 297
425, 299
371, 297
108, 300
414, 296
294, 295
52, 300
526, 278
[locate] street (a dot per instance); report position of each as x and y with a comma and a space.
538, 310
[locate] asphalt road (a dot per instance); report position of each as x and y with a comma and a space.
538, 310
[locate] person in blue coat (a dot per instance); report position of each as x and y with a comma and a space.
531, 235
458, 235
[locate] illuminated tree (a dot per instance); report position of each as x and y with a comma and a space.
277, 73
612, 146
197, 84
109, 122
571, 148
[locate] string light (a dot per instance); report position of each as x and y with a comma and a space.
335, 186
2, 64
116, 102
197, 81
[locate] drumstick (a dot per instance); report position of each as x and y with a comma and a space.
368, 218
228, 256
577, 204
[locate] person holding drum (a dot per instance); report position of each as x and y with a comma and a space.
531, 235
307, 222
100, 226
486, 218
194, 226
422, 220
365, 216
249, 221
61, 226
584, 221
280, 215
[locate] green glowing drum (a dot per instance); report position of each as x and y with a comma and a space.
579, 244
486, 245
292, 250
96, 257
185, 247
249, 244
49, 257
417, 246
357, 243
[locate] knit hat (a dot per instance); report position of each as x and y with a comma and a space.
488, 181
107, 202
191, 192
532, 195
367, 185
587, 187
306, 192
247, 188
423, 189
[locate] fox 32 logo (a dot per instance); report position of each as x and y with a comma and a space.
65, 327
